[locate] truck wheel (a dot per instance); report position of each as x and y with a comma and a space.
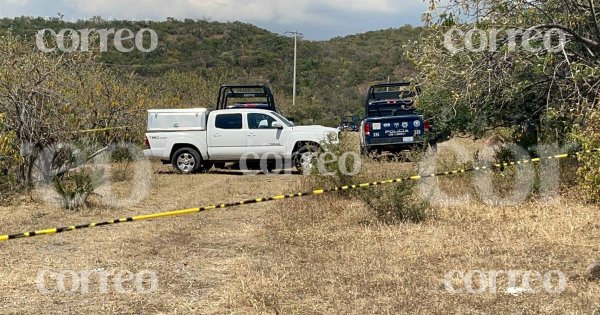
364, 151
206, 166
187, 161
271, 166
368, 152
303, 157
433, 147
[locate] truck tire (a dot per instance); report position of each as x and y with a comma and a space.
365, 151
302, 157
206, 166
187, 161
433, 146
368, 151
270, 167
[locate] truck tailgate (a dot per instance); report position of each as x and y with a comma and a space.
396, 129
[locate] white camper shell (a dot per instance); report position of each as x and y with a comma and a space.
190, 119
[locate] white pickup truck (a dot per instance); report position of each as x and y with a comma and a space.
193, 140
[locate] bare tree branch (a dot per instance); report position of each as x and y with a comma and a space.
586, 41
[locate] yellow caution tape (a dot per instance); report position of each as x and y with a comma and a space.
100, 129
278, 197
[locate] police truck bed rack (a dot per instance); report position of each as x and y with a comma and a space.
262, 94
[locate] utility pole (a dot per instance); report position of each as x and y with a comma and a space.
296, 35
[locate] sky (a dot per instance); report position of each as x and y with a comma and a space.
316, 19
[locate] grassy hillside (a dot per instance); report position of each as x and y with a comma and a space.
332, 74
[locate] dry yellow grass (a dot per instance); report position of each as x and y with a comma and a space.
313, 255
322, 260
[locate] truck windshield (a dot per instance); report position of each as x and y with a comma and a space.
283, 119
388, 110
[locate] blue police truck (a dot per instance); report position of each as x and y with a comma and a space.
391, 122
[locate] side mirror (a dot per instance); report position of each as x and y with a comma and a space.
276, 125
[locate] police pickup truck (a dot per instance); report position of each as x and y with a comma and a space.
391, 122
194, 139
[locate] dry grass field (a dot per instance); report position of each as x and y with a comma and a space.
314, 255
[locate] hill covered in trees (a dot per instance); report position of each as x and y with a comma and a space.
332, 75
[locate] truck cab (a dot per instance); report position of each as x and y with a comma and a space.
392, 122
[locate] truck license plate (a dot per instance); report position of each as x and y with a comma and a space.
408, 139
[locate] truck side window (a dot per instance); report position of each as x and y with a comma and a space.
229, 121
260, 121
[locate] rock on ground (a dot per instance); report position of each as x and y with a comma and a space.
593, 271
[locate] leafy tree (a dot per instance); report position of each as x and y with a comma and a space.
476, 91
47, 99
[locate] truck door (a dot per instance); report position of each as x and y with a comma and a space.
264, 137
227, 138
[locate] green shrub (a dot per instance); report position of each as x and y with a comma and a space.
8, 180
8, 161
122, 154
334, 175
589, 169
75, 187
399, 202
390, 203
